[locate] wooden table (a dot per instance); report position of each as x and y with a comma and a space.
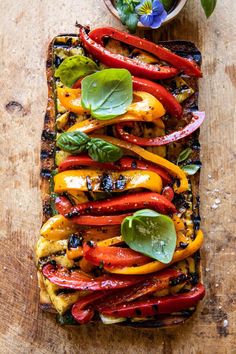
27, 28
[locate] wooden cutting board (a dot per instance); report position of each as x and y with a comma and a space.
26, 29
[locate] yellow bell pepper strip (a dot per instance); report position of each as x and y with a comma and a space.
144, 108
98, 181
110, 241
179, 225
71, 99
73, 253
58, 228
125, 163
183, 241
173, 169
156, 265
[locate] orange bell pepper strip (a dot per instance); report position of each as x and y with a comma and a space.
71, 99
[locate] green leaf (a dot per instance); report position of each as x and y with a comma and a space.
183, 156
107, 93
123, 10
73, 142
168, 4
127, 13
102, 151
208, 6
75, 67
191, 169
150, 233
131, 22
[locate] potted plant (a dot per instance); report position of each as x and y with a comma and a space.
151, 13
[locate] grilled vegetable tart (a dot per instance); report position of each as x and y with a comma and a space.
120, 170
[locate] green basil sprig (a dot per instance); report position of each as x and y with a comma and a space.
191, 169
73, 142
107, 93
102, 151
208, 6
150, 233
98, 149
184, 155
75, 67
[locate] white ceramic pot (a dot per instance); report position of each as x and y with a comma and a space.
171, 15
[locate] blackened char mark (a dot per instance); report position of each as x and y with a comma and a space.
48, 135
45, 173
75, 241
120, 184
106, 183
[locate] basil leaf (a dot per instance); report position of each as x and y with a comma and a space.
208, 6
75, 67
102, 151
150, 233
107, 93
73, 142
183, 156
191, 169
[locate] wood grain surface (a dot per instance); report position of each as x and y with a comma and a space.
26, 28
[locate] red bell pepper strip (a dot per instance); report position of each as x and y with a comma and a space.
188, 66
78, 280
153, 283
170, 103
125, 163
135, 66
196, 121
128, 163
75, 161
156, 306
100, 220
123, 203
64, 207
168, 192
117, 257
82, 310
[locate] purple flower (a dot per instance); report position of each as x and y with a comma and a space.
152, 13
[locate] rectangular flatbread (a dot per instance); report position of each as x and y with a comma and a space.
50, 250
